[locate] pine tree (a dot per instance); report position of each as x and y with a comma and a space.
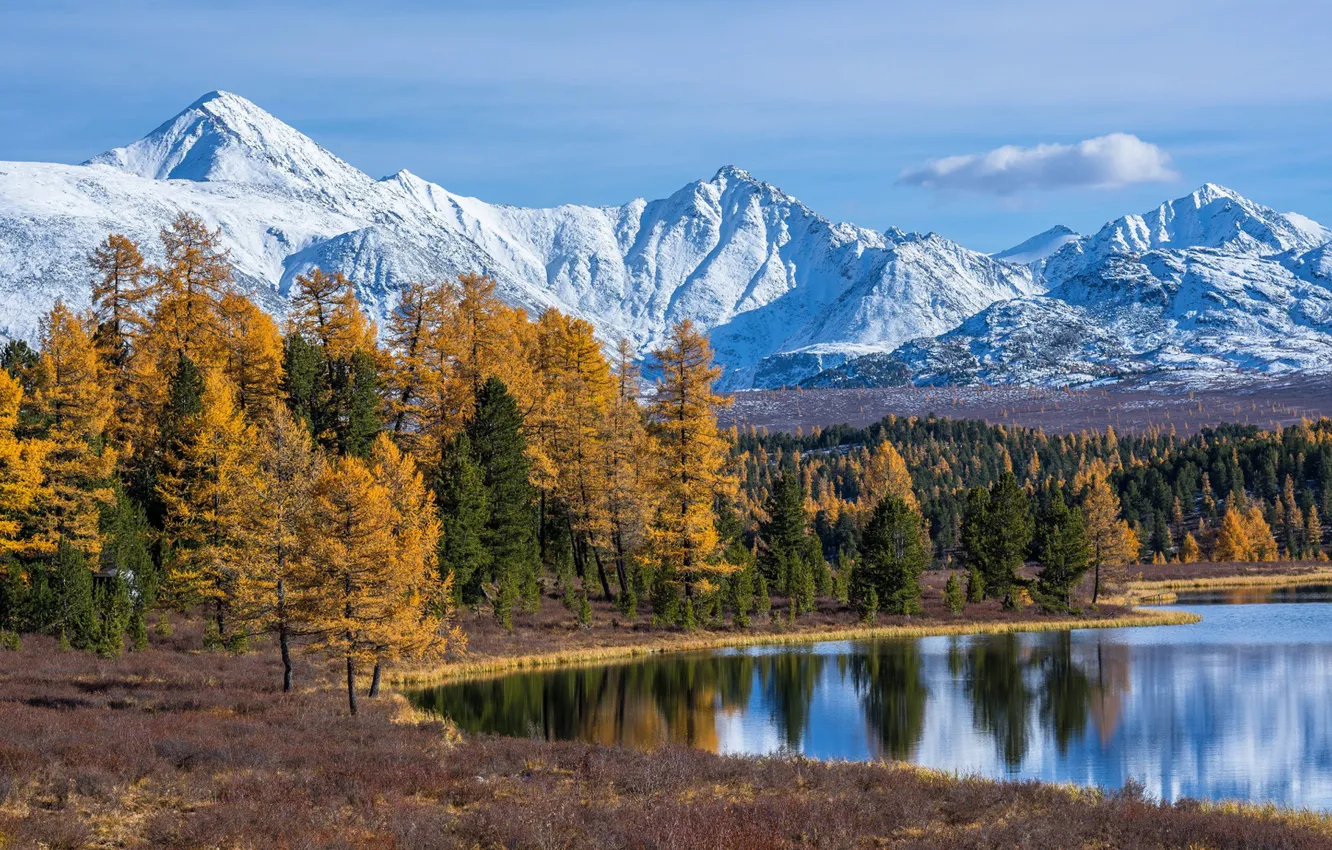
127, 556
495, 432
1064, 554
954, 598
996, 534
783, 534
892, 558
691, 469
465, 512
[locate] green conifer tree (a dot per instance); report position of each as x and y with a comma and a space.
893, 555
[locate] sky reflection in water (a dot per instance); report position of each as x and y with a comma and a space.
1235, 707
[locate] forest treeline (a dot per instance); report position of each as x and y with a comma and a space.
173, 447
346, 488
1228, 493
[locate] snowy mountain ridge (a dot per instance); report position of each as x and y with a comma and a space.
1208, 287
769, 278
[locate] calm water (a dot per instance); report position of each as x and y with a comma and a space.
1235, 707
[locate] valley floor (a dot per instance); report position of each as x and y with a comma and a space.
173, 747
1126, 408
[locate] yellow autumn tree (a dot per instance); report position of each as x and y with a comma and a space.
419, 604
364, 602
1262, 545
415, 318
1111, 541
276, 525
21, 465
1189, 551
490, 339
189, 288
207, 489
324, 310
885, 474
627, 498
1232, 539
72, 400
119, 298
252, 349
572, 425
690, 471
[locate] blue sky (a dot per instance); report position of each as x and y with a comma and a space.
599, 102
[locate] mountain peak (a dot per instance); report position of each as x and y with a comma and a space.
1210, 192
224, 137
731, 172
1039, 246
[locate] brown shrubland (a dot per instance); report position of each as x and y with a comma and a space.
176, 748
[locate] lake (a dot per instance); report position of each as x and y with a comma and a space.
1234, 707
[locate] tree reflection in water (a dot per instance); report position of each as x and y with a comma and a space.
1011, 682
891, 684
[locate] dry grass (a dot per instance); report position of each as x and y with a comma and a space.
1290, 579
181, 749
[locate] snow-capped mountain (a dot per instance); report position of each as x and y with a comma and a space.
783, 291
1038, 247
1210, 286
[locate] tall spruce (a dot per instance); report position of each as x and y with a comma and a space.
1063, 552
893, 554
495, 432
996, 533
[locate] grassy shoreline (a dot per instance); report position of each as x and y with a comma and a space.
671, 642
175, 747
1323, 576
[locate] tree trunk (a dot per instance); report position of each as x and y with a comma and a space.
601, 574
1096, 582
374, 680
351, 685
621, 574
283, 637
221, 616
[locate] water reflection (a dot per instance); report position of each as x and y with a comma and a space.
1233, 707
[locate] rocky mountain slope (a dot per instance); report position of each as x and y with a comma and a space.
1209, 287
783, 291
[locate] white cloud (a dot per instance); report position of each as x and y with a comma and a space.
1106, 162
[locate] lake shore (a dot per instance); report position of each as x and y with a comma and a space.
602, 644
174, 747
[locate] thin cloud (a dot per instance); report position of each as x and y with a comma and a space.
1105, 162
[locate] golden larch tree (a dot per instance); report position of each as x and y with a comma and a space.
252, 347
73, 401
206, 489
1112, 542
691, 465
276, 525
419, 604
21, 464
628, 499
351, 545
